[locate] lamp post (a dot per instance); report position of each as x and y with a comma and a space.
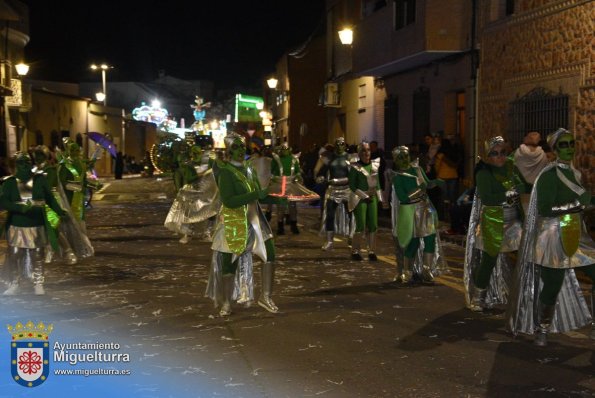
104, 68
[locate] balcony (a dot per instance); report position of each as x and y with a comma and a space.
436, 30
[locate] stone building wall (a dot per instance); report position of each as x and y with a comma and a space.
545, 43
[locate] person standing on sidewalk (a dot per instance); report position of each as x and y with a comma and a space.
241, 231
494, 228
547, 296
33, 217
363, 201
414, 220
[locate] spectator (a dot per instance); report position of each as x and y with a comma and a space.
446, 165
119, 168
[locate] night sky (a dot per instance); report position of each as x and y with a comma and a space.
229, 42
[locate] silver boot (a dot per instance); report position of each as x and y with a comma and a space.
478, 299
227, 285
268, 275
328, 246
37, 272
546, 314
426, 273
404, 273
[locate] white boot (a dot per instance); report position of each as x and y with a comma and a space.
13, 289
328, 246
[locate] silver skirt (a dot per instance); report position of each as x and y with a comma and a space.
548, 246
513, 231
425, 219
26, 237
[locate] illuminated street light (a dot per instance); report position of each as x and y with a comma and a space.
100, 97
103, 68
346, 36
22, 69
272, 83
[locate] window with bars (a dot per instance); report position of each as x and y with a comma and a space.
539, 110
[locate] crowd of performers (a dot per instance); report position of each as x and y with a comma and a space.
45, 204
525, 237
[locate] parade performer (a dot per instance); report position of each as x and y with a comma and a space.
285, 164
414, 221
33, 216
547, 296
363, 201
241, 230
197, 198
73, 241
335, 217
494, 228
72, 173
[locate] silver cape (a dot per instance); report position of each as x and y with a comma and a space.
195, 203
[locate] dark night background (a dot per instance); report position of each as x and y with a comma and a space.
229, 42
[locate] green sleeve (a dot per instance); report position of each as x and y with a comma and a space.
353, 178
489, 190
524, 187
227, 183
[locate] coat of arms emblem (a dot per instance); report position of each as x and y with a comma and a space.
29, 353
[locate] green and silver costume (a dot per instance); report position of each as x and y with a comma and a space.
547, 296
241, 230
33, 217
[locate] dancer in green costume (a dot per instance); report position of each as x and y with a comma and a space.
547, 296
72, 173
33, 217
241, 230
494, 228
285, 164
365, 195
74, 243
415, 221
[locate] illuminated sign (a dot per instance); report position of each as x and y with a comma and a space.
154, 114
248, 108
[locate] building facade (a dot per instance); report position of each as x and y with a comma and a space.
537, 72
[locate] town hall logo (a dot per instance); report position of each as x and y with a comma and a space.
29, 353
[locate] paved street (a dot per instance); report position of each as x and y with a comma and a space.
344, 329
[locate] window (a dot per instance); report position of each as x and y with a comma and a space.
55, 140
361, 97
538, 110
404, 13
461, 116
421, 113
371, 6
509, 7
38, 138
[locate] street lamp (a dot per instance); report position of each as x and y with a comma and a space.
346, 36
103, 68
22, 69
272, 83
100, 97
